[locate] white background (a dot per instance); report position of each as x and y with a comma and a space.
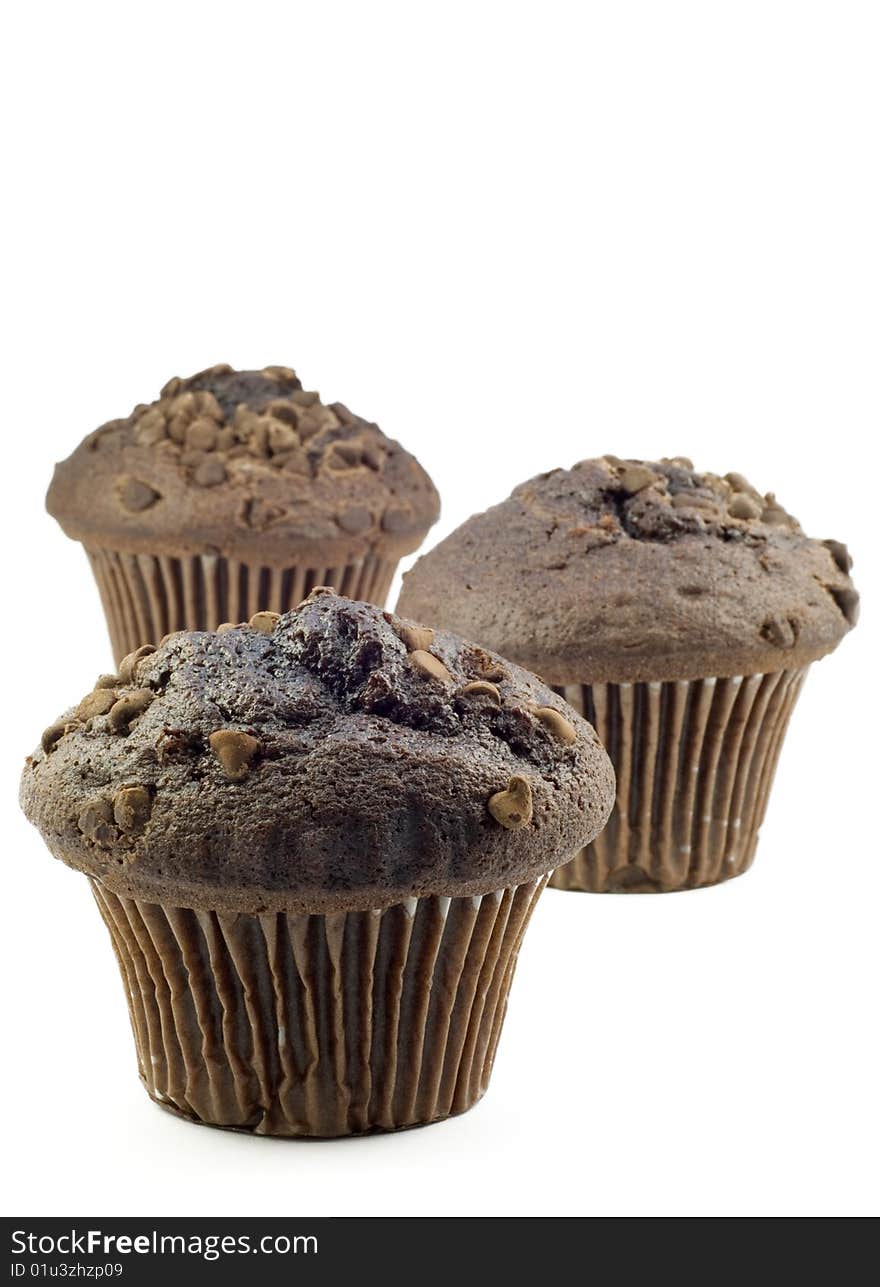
516, 235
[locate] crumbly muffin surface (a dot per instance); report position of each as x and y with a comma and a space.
626, 570
248, 464
334, 758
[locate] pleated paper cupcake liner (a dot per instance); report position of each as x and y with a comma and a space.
147, 596
321, 1025
694, 763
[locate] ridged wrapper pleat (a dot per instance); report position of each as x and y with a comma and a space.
695, 762
147, 596
319, 1025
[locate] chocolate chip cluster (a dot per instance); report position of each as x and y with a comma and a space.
332, 657
226, 426
275, 421
119, 701
658, 500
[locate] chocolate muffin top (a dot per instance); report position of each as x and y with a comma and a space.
335, 758
247, 464
625, 570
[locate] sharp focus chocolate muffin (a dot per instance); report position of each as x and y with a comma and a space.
679, 611
334, 821
237, 491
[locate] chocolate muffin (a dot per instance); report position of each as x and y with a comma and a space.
316, 841
679, 612
237, 491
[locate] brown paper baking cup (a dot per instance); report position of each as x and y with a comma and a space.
337, 1024
147, 596
694, 763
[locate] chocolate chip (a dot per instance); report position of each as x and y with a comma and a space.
372, 456
283, 410
636, 478
556, 724
150, 428
129, 664
429, 666
415, 638
244, 419
132, 806
297, 462
97, 824
281, 436
177, 427
316, 592
689, 499
135, 495
265, 621
54, 733
210, 472
258, 441
283, 374
780, 631
185, 405
209, 406
342, 413
840, 554
107, 681
336, 461
698, 500
97, 703
397, 518
201, 434
742, 506
481, 688
219, 368
129, 707
847, 600
342, 456
355, 519
513, 808
259, 514
314, 420
235, 751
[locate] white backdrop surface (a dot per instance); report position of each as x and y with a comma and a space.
516, 235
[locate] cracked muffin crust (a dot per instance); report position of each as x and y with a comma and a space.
247, 464
334, 758
627, 571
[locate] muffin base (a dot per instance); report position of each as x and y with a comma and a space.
322, 1025
147, 596
695, 761
373, 1130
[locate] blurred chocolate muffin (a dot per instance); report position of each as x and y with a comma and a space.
679, 612
316, 841
237, 491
